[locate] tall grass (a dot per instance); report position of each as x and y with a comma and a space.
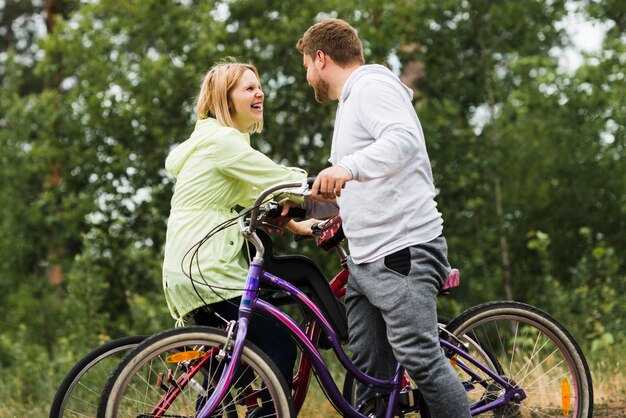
19, 398
609, 384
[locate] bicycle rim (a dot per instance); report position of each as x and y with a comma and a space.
534, 352
167, 364
79, 392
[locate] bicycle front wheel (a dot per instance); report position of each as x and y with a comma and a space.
174, 372
79, 392
534, 352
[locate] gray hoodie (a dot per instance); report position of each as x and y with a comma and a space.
390, 204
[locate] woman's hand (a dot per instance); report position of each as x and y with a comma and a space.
287, 204
279, 223
302, 227
275, 225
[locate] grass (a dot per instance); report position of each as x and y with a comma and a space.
316, 404
609, 385
609, 382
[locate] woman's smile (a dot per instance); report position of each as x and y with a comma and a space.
247, 98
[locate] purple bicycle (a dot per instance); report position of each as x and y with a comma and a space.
513, 360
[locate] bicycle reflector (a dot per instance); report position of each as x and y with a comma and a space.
565, 396
185, 356
453, 361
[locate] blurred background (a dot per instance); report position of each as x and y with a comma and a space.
522, 104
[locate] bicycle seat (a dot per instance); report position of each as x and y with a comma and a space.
453, 280
303, 273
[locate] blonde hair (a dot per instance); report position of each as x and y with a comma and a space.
214, 98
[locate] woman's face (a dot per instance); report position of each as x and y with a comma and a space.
247, 102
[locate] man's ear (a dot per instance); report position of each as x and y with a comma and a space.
321, 59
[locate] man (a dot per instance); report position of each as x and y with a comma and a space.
382, 180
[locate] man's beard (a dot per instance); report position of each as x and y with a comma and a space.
322, 91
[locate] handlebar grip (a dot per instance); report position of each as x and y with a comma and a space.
293, 212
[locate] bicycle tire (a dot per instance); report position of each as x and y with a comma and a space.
536, 353
79, 391
133, 389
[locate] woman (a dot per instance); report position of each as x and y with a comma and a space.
216, 169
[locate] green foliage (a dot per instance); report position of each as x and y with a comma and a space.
592, 304
523, 152
599, 286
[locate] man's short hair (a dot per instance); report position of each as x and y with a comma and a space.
335, 38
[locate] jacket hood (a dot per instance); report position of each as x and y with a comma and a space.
378, 70
177, 157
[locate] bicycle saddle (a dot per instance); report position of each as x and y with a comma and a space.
303, 273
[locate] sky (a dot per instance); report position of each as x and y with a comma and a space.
586, 36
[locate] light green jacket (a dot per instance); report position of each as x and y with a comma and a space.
215, 169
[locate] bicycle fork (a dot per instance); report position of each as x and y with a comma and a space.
193, 361
245, 310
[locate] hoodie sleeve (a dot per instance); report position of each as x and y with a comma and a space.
320, 210
238, 160
385, 113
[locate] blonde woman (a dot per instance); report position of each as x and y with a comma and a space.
216, 169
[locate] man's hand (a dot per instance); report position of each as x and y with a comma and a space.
330, 181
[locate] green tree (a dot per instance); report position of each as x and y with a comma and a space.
525, 154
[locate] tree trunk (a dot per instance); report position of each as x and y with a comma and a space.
494, 136
55, 271
52, 8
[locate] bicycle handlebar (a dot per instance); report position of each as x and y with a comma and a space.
254, 214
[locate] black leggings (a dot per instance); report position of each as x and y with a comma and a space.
262, 332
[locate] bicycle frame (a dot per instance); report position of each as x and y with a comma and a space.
313, 331
251, 302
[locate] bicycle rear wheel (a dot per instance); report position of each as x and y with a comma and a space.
534, 352
79, 392
173, 374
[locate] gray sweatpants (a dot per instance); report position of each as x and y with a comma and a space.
392, 316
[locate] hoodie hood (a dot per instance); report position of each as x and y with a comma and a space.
379, 71
370, 71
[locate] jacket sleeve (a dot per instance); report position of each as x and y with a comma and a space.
389, 118
238, 160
